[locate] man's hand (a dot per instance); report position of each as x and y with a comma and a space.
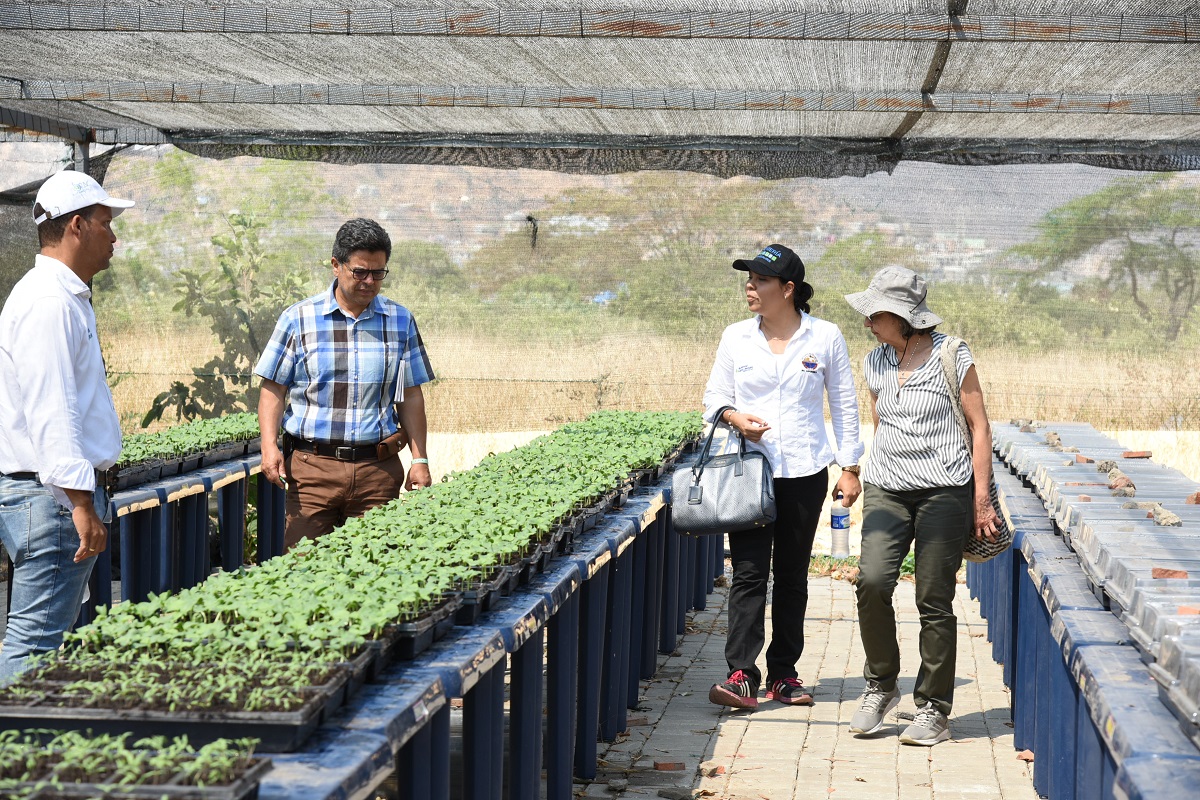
272, 464
418, 477
93, 534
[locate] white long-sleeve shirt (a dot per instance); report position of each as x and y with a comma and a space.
788, 392
56, 412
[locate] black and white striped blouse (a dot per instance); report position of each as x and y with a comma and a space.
918, 444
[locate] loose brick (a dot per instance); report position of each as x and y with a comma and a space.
1163, 572
1081, 459
1137, 454
1083, 498
669, 766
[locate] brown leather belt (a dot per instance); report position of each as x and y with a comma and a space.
342, 452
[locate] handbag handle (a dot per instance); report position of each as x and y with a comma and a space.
703, 458
949, 369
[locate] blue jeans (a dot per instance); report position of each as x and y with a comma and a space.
48, 586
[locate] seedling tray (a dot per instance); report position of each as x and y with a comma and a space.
479, 599
415, 637
134, 474
244, 788
278, 731
223, 452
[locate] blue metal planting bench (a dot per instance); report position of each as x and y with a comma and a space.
593, 623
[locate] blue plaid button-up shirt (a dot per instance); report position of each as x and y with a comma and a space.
344, 375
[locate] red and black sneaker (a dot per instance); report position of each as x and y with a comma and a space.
736, 692
790, 691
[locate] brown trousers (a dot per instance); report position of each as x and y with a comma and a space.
324, 492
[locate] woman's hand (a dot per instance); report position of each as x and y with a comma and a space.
850, 487
748, 425
986, 520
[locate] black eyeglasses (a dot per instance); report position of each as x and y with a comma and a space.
361, 274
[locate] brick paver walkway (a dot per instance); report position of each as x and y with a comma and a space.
778, 752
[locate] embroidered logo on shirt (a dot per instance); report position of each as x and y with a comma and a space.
810, 363
745, 368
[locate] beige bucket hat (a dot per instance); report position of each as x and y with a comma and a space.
898, 290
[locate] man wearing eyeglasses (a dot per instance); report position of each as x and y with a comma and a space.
342, 374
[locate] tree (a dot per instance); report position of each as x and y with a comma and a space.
1146, 231
242, 300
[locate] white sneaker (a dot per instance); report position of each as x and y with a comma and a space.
929, 726
874, 706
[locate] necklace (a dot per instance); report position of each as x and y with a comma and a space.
904, 368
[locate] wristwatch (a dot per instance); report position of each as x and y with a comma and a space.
853, 469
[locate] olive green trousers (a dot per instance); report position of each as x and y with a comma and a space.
935, 523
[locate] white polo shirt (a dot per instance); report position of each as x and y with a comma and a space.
56, 412
788, 392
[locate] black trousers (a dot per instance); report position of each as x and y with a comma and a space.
781, 550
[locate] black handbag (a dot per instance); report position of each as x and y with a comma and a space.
725, 493
974, 548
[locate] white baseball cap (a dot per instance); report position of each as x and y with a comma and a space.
67, 191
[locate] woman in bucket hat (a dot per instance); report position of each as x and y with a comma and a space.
776, 369
921, 485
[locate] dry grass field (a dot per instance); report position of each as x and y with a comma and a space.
535, 380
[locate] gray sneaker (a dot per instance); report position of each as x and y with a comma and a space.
873, 707
929, 726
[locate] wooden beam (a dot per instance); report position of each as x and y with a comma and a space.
290, 18
598, 98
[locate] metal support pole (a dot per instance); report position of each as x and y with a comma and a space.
670, 592
562, 664
231, 517
652, 615
613, 692
525, 720
591, 668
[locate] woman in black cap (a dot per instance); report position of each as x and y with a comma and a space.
775, 369
922, 486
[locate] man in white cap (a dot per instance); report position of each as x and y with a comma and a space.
58, 426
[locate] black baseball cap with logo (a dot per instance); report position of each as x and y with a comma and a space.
776, 260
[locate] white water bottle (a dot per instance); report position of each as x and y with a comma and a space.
839, 525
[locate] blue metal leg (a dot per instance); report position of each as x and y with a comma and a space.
591, 668
414, 779
1040, 706
702, 574
525, 720
231, 516
687, 573
1024, 666
483, 737
136, 570
439, 761
164, 550
652, 614
193, 511
562, 665
670, 594
616, 671
1064, 698
999, 569
1013, 577
637, 618
270, 519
